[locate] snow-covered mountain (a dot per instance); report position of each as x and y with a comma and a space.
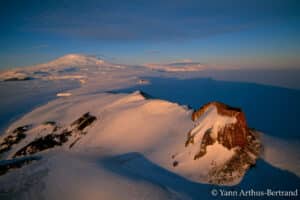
70, 66
221, 143
92, 140
122, 123
74, 60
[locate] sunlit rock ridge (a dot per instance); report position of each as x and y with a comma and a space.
220, 126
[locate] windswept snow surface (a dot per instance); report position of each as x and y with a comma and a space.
126, 153
20, 97
284, 154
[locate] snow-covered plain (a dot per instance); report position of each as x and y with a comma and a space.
127, 152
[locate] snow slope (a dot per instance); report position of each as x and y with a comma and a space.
70, 60
99, 144
130, 146
70, 66
284, 154
125, 123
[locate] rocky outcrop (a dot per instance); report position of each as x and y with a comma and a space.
15, 137
218, 124
43, 143
83, 121
206, 140
50, 135
57, 136
231, 135
241, 161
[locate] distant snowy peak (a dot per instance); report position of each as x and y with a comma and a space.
74, 60
70, 66
221, 142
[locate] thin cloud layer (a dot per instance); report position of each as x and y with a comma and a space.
177, 66
144, 20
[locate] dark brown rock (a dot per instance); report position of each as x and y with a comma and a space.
206, 140
56, 137
232, 135
43, 143
84, 121
237, 136
15, 137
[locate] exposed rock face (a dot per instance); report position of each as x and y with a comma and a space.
231, 135
219, 124
240, 162
17, 135
43, 143
58, 137
84, 121
53, 137
206, 140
